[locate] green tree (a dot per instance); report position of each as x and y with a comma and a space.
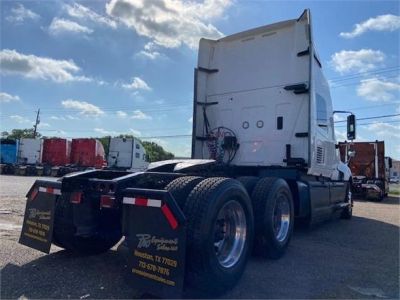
105, 141
20, 133
155, 152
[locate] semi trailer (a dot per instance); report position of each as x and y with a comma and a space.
8, 155
30, 151
56, 156
263, 154
369, 166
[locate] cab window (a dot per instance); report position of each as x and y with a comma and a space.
322, 114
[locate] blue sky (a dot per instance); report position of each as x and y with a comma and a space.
126, 66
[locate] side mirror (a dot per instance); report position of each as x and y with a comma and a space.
351, 153
351, 127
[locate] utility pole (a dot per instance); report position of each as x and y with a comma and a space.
36, 123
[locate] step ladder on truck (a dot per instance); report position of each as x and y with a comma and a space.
263, 153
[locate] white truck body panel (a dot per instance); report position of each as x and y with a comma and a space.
127, 153
244, 82
30, 151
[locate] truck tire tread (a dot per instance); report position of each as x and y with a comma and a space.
198, 211
181, 187
262, 197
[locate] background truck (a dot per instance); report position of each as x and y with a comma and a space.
369, 166
29, 156
8, 152
126, 154
263, 154
87, 153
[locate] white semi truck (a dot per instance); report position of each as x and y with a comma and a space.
263, 153
126, 154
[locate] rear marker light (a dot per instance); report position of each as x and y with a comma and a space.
76, 198
106, 201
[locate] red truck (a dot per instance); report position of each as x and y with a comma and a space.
369, 167
56, 152
87, 153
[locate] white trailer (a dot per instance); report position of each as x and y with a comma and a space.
30, 151
127, 154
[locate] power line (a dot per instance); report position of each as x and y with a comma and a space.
370, 123
355, 83
369, 118
372, 106
360, 74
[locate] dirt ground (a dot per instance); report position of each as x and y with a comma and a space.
338, 259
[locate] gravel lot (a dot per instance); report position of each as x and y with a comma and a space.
338, 259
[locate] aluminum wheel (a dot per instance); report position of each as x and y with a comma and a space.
281, 218
230, 233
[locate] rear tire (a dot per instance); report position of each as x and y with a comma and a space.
64, 231
273, 217
219, 234
181, 187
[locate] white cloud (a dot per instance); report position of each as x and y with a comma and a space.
375, 89
139, 115
135, 132
105, 132
383, 130
136, 84
161, 142
6, 98
337, 118
379, 23
170, 23
60, 26
190, 120
70, 117
57, 118
357, 61
150, 51
84, 13
20, 119
19, 14
121, 114
31, 66
43, 124
340, 135
83, 107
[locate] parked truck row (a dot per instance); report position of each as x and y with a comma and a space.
264, 153
59, 156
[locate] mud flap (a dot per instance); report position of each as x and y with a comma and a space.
37, 228
155, 231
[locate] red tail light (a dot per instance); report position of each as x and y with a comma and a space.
33, 194
76, 197
107, 201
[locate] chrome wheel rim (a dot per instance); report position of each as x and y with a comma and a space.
230, 233
281, 218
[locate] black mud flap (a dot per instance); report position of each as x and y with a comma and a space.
37, 228
155, 231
